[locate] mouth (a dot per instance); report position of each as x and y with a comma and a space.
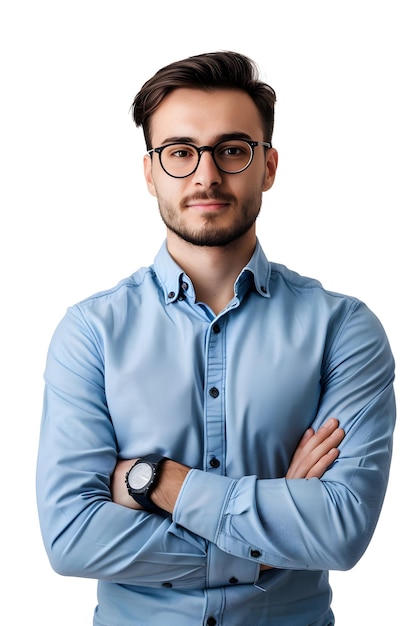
212, 205
207, 204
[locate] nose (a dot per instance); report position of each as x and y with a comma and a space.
207, 173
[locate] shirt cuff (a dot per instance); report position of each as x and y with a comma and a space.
201, 503
199, 508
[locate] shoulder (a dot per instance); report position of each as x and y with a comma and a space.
132, 283
342, 314
107, 310
284, 280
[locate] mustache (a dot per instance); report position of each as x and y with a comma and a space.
214, 195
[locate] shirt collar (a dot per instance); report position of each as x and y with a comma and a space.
173, 279
259, 270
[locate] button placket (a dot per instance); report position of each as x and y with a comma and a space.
215, 401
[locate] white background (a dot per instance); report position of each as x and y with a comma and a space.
76, 218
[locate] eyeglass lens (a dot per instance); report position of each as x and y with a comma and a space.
230, 156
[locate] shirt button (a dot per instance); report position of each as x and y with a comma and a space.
214, 392
233, 580
263, 289
171, 294
214, 462
216, 329
184, 286
211, 621
168, 585
255, 553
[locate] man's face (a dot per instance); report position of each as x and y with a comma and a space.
209, 207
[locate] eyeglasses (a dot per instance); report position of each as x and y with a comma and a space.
231, 156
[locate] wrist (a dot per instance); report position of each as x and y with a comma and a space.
168, 487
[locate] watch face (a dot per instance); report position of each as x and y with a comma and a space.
140, 475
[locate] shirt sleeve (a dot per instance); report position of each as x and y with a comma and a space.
84, 532
313, 524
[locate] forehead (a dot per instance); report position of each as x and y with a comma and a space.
202, 115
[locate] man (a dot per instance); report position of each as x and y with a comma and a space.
217, 429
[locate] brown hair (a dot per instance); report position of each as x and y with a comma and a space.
213, 70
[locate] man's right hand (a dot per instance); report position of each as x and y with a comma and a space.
316, 451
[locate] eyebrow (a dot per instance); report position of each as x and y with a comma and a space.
216, 139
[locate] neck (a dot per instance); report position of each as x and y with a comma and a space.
213, 270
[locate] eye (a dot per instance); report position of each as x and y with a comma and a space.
233, 150
230, 151
179, 151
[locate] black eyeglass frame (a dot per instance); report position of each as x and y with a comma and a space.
211, 149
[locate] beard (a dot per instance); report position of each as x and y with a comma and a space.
211, 233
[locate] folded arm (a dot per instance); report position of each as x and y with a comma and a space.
315, 452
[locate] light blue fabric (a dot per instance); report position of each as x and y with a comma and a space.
145, 368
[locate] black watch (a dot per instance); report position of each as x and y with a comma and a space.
142, 478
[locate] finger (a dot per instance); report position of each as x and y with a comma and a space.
324, 447
326, 430
314, 450
323, 464
310, 440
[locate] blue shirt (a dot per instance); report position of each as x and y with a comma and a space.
144, 368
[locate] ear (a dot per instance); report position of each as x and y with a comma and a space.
270, 169
147, 168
